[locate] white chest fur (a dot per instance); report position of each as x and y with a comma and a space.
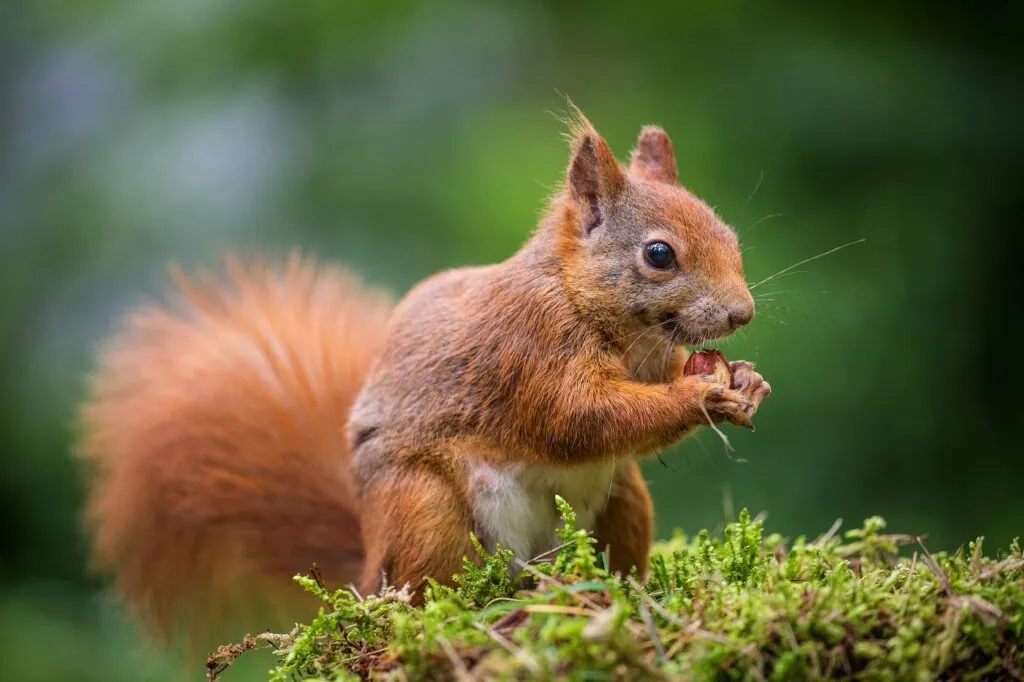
515, 504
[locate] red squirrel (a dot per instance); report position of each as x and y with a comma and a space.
287, 415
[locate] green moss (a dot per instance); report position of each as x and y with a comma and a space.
738, 607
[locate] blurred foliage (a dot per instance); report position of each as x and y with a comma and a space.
406, 137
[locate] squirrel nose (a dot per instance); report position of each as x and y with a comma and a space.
740, 314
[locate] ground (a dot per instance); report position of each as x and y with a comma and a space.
738, 606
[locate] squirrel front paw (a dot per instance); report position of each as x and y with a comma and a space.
729, 391
749, 384
728, 405
716, 402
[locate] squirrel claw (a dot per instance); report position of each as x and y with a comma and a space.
743, 417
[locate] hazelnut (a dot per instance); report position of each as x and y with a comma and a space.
709, 362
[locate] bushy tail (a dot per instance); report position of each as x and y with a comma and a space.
214, 432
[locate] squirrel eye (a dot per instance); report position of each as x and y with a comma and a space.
659, 255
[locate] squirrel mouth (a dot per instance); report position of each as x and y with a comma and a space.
679, 334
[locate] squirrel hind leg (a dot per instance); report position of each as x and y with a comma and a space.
625, 527
418, 525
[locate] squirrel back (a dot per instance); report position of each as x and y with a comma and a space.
214, 434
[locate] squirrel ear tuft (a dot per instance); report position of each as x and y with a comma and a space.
594, 176
654, 158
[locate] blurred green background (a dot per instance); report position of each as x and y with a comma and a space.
406, 137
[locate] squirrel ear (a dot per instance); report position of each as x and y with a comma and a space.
653, 158
594, 177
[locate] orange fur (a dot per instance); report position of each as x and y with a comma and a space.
214, 432
625, 527
217, 433
527, 363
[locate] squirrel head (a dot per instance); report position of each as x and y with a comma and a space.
640, 250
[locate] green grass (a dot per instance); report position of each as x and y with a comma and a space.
742, 606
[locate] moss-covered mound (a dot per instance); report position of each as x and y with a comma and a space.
737, 607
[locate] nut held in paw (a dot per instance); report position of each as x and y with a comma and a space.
709, 362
